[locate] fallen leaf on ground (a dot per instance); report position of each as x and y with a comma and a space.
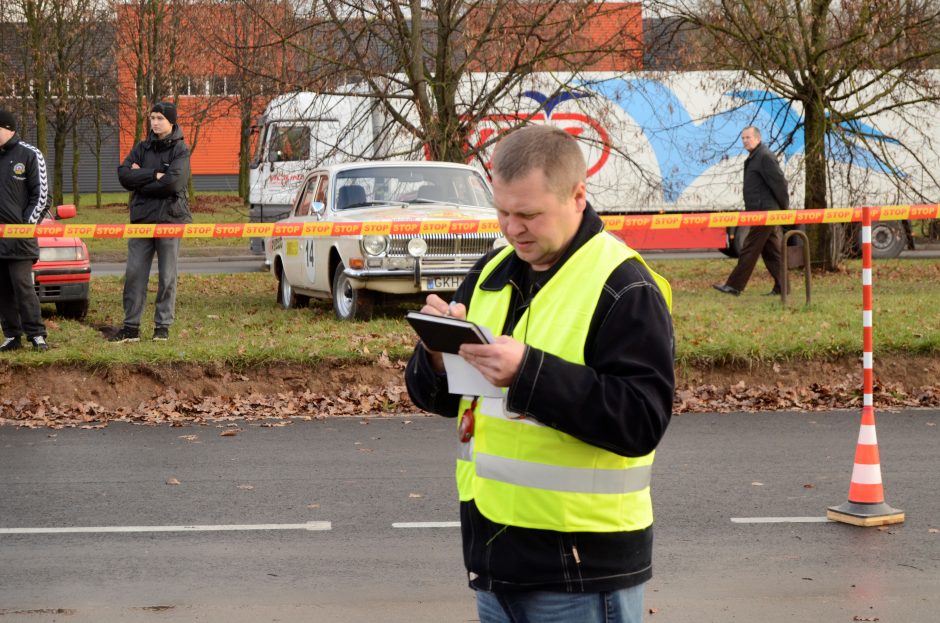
172, 481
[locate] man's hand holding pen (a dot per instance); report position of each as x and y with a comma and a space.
499, 362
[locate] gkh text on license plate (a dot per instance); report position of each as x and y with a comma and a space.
447, 282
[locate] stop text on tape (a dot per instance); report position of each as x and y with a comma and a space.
613, 223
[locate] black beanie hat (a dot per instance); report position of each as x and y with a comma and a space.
7, 120
166, 109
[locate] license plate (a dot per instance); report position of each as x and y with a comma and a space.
447, 282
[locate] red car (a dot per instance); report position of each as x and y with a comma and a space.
63, 273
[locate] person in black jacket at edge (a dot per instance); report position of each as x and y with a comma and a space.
24, 197
156, 172
765, 188
553, 478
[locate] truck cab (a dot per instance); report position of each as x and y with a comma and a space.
297, 133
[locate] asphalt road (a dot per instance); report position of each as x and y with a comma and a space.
257, 556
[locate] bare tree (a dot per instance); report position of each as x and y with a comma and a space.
69, 40
414, 58
146, 48
243, 40
33, 15
837, 64
55, 37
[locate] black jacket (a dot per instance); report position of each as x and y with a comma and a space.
765, 187
24, 195
620, 400
158, 200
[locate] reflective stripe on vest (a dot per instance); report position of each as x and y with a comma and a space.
557, 478
535, 476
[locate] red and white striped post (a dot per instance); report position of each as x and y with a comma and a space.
866, 505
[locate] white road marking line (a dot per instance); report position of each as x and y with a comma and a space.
310, 525
779, 519
426, 524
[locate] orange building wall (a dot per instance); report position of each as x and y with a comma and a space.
216, 151
216, 117
612, 26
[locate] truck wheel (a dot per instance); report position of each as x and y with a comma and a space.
349, 303
888, 239
737, 235
76, 310
286, 297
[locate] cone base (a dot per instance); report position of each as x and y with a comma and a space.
865, 515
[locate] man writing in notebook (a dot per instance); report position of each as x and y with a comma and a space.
554, 477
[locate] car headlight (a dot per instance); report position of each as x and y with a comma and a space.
417, 247
374, 245
500, 242
61, 254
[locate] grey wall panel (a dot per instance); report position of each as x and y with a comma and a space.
207, 183
110, 158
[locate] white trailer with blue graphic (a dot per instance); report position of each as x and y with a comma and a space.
654, 143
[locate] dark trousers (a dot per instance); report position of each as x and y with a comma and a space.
19, 305
761, 242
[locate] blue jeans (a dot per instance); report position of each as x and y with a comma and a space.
623, 606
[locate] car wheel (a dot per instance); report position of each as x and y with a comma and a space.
349, 303
75, 310
286, 297
887, 239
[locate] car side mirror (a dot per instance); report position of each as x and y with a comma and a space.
65, 211
317, 207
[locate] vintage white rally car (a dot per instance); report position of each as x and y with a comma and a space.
397, 240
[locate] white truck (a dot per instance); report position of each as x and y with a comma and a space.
654, 143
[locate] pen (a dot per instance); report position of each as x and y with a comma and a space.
450, 307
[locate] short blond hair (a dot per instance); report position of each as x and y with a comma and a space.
541, 147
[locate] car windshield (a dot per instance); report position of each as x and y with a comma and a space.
420, 184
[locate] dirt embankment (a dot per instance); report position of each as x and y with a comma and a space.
183, 394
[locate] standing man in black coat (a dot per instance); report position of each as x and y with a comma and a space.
765, 188
156, 172
24, 194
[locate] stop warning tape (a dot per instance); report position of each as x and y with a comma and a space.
614, 223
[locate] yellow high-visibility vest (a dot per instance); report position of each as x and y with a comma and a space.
520, 472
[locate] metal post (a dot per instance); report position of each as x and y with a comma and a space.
807, 269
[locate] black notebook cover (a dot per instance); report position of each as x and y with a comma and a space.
443, 333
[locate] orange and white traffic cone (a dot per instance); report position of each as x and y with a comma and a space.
866, 505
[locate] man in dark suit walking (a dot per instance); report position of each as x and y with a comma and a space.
765, 188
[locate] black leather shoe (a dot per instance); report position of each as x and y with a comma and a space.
726, 289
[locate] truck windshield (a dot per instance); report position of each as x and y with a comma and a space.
417, 184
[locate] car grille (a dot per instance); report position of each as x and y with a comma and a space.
445, 245
43, 291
